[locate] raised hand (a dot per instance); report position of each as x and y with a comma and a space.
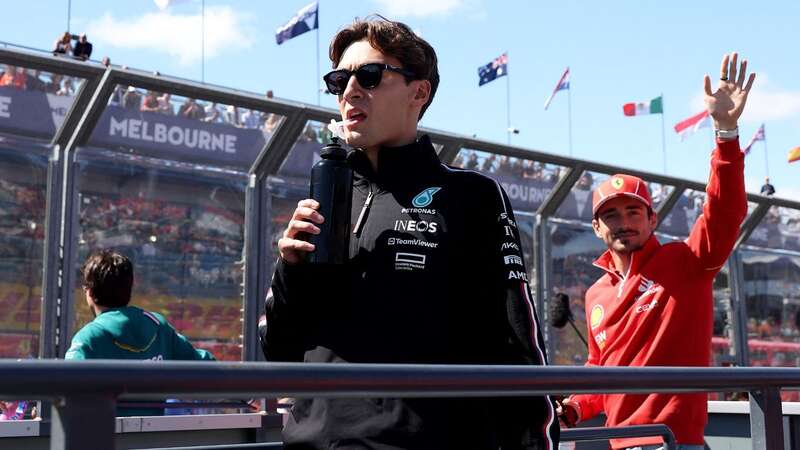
293, 245
727, 103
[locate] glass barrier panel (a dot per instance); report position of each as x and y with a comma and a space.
779, 229
23, 192
681, 218
578, 204
163, 125
526, 182
772, 290
573, 250
33, 102
182, 225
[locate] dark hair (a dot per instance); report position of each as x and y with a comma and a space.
108, 275
393, 39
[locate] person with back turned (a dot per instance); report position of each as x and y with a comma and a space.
434, 275
654, 304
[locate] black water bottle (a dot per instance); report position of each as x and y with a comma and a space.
332, 187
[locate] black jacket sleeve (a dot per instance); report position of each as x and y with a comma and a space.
283, 338
524, 423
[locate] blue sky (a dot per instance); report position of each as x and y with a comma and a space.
618, 52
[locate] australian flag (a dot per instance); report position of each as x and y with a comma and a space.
307, 19
495, 69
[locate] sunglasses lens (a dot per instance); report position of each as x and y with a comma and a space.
369, 75
336, 81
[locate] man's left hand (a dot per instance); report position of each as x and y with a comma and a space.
727, 103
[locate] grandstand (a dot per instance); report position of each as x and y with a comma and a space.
197, 196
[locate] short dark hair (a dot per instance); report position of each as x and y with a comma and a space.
393, 39
108, 275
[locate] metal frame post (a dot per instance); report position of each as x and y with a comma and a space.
669, 203
83, 422
69, 207
766, 419
543, 247
739, 309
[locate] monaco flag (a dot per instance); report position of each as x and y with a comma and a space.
686, 128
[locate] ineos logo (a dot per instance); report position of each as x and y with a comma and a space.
416, 225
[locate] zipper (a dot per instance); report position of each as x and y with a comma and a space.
362, 216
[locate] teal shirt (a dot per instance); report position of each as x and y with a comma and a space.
132, 333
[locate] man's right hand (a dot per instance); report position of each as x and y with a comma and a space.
567, 413
291, 246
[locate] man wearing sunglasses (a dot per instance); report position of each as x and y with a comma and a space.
435, 274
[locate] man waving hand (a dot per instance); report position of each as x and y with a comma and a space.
654, 304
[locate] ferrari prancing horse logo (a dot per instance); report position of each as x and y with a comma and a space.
617, 183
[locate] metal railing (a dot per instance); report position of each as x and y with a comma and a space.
588, 434
85, 393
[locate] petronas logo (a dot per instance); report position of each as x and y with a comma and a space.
425, 197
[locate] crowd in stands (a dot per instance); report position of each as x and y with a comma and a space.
133, 99
36, 80
186, 251
491, 163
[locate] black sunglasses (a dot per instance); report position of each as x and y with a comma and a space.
368, 76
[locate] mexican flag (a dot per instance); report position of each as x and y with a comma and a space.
654, 106
794, 154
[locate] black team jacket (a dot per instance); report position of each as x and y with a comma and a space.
435, 276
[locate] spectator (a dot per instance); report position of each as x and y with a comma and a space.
150, 102
83, 48
231, 116
212, 113
13, 77
191, 110
106, 61
12, 410
270, 94
585, 182
132, 99
272, 122
472, 162
504, 165
63, 45
121, 331
54, 85
33, 82
67, 87
165, 104
118, 95
516, 167
767, 189
488, 164
251, 118
528, 170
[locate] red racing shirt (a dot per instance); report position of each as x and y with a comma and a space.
660, 313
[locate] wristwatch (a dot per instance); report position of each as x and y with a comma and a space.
727, 135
